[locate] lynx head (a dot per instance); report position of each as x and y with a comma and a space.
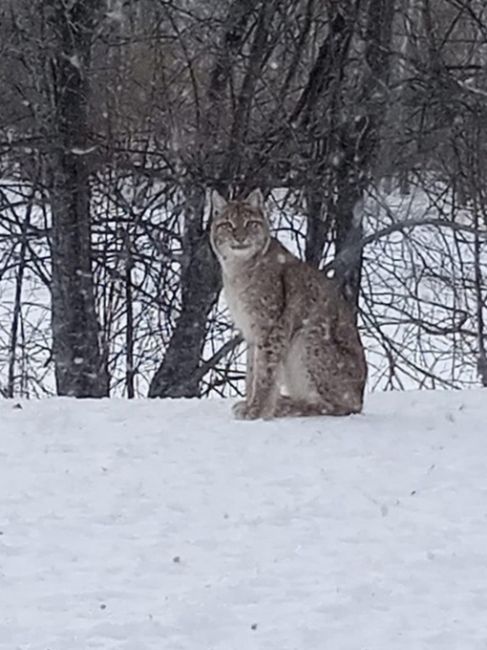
239, 229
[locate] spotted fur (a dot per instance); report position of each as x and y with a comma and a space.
305, 356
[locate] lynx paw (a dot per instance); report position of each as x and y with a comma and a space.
244, 411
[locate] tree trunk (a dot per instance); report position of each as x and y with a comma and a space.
359, 145
178, 374
317, 225
348, 234
78, 363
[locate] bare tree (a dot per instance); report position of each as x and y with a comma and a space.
362, 122
77, 357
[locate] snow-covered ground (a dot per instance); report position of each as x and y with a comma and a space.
168, 526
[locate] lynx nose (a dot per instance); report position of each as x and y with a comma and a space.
241, 237
241, 241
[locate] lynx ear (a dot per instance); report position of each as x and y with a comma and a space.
255, 199
218, 203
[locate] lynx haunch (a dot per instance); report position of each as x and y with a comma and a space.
305, 356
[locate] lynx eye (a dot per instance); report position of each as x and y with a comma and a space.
254, 225
226, 226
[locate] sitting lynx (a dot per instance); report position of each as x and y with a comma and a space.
300, 331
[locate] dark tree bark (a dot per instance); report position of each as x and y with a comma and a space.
178, 374
17, 307
318, 225
325, 78
79, 367
363, 146
359, 143
129, 334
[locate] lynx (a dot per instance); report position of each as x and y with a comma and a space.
304, 355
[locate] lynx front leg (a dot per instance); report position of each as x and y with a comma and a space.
266, 359
240, 407
249, 375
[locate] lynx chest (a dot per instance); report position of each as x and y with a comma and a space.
250, 303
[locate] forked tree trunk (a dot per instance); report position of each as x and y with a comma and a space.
178, 375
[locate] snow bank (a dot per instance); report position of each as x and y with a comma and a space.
168, 526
